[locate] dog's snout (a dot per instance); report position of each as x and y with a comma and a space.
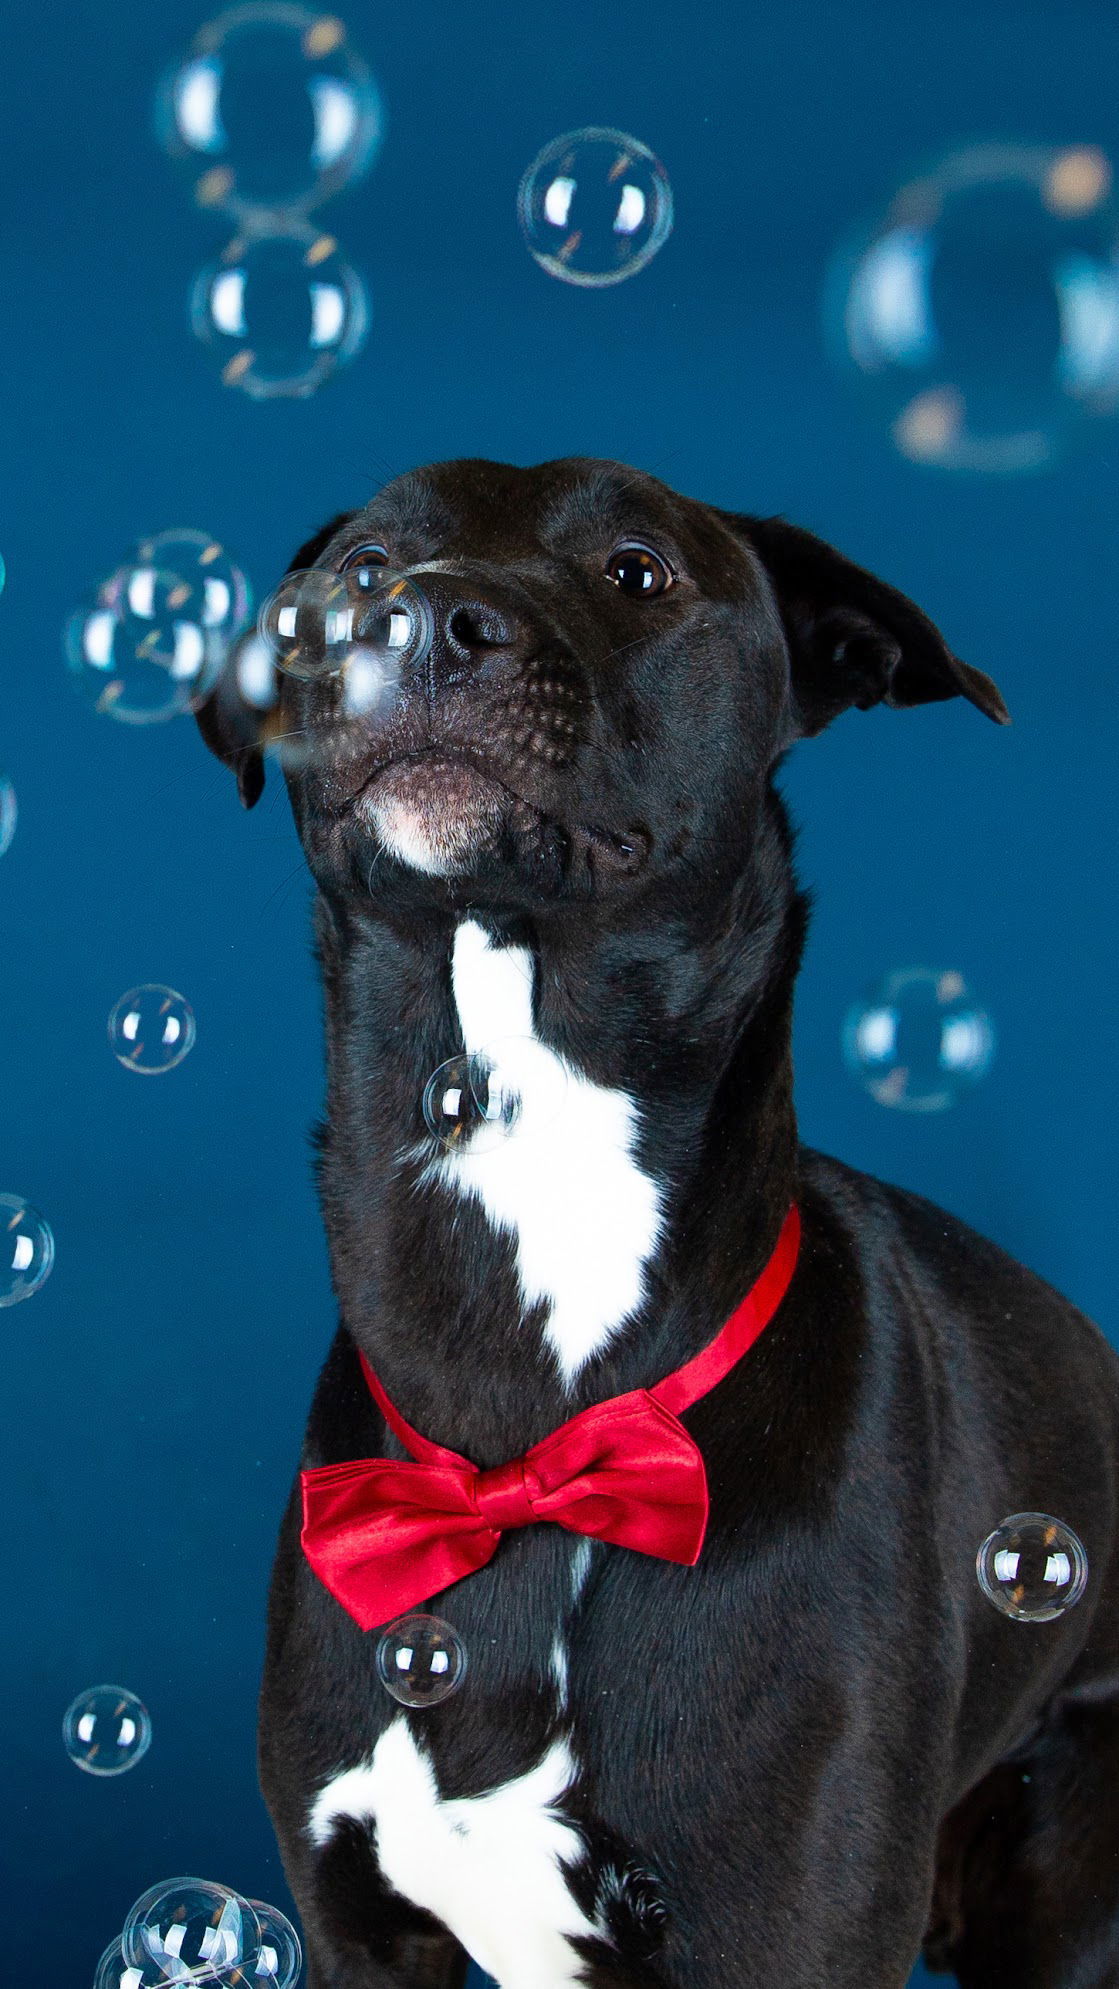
469, 632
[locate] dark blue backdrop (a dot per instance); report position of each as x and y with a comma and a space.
156, 1387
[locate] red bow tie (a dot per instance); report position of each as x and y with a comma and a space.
383, 1535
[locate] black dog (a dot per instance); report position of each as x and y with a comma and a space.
821, 1748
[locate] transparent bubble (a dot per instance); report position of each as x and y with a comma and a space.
279, 1958
474, 1103
981, 313
138, 650
151, 1029
1032, 1567
420, 1660
106, 1730
9, 813
3, 573
115, 1972
595, 206
362, 626
220, 596
919, 1041
26, 1249
280, 312
271, 111
194, 1930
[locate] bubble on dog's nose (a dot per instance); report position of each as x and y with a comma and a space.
364, 627
980, 314
475, 1103
308, 623
271, 110
26, 1249
151, 1029
1032, 1567
148, 644
421, 1660
919, 1041
280, 312
106, 1730
9, 813
595, 206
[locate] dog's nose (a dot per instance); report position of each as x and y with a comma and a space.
469, 631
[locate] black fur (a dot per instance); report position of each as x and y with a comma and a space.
797, 1758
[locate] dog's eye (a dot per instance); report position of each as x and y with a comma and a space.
362, 562
636, 570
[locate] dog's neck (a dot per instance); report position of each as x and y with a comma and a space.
611, 1233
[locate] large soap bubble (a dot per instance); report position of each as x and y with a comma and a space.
981, 312
919, 1041
140, 649
595, 206
271, 111
280, 311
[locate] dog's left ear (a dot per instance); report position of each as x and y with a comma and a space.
853, 640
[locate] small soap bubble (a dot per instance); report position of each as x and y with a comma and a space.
279, 1957
26, 1249
9, 813
151, 1029
280, 312
595, 206
194, 1930
980, 315
3, 573
106, 1730
474, 1103
363, 626
1032, 1567
271, 111
219, 593
420, 1660
138, 650
115, 1972
919, 1041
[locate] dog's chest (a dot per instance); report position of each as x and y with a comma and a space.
583, 1217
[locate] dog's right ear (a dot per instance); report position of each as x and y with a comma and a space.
230, 725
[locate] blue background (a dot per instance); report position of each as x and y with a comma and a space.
155, 1389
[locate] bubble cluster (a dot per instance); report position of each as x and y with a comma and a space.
595, 206
280, 312
26, 1249
919, 1041
150, 642
421, 1660
190, 1930
474, 1103
981, 312
1032, 1567
270, 112
106, 1730
9, 813
151, 1029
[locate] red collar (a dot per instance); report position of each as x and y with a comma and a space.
384, 1536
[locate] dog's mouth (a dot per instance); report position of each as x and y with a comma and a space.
438, 811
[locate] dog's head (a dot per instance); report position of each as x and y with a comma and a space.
613, 671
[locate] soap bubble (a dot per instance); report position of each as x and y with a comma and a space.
919, 1041
151, 1029
420, 1660
26, 1249
220, 596
363, 626
8, 813
115, 1972
194, 1930
3, 573
474, 1103
982, 311
271, 111
279, 1958
138, 651
1032, 1567
106, 1730
595, 206
280, 312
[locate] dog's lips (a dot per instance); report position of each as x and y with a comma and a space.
434, 810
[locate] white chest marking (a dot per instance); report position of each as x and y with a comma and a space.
488, 1866
564, 1183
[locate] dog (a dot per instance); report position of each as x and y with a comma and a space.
817, 1750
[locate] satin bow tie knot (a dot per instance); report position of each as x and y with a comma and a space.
384, 1535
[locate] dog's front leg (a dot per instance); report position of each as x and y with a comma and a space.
360, 1934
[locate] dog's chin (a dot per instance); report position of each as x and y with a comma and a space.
435, 815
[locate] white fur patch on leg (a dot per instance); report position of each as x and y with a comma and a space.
490, 1867
564, 1184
